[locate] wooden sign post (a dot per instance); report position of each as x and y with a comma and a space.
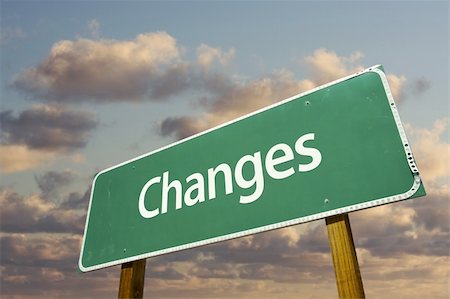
346, 268
132, 277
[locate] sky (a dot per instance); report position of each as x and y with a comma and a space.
86, 85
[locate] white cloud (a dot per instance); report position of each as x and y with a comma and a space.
396, 83
237, 99
326, 66
16, 158
206, 56
430, 150
104, 70
231, 97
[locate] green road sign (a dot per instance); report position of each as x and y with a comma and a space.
335, 149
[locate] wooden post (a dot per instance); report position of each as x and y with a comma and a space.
132, 278
346, 268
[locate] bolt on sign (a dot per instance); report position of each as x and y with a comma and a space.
338, 148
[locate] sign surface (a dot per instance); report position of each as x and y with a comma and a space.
335, 149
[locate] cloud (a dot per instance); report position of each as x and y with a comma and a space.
326, 66
181, 127
430, 150
152, 67
16, 158
230, 97
34, 263
44, 127
45, 266
433, 212
30, 273
36, 215
173, 80
420, 86
77, 201
277, 251
41, 134
50, 182
39, 250
284, 260
407, 245
389, 237
105, 70
396, 84
206, 56
416, 227
411, 276
165, 272
236, 100
266, 265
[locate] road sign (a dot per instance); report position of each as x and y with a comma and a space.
335, 149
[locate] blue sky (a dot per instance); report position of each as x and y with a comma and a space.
55, 136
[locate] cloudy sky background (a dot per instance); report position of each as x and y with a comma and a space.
86, 85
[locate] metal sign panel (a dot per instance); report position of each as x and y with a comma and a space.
335, 149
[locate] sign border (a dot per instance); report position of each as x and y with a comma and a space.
376, 202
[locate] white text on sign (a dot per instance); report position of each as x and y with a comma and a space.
196, 192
